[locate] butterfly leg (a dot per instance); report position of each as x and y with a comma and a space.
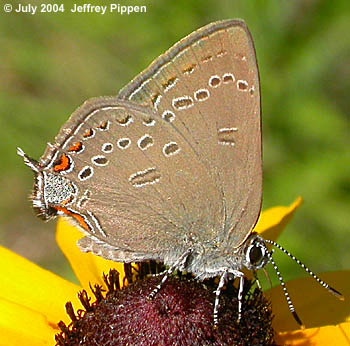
257, 279
161, 273
178, 264
240, 296
221, 284
223, 280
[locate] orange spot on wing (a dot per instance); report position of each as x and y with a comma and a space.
76, 216
103, 125
88, 133
76, 147
62, 164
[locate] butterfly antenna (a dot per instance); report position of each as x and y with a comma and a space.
321, 282
285, 292
33, 164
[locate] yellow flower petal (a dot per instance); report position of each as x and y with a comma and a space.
22, 326
338, 335
315, 306
37, 289
272, 221
87, 267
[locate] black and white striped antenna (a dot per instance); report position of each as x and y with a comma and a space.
285, 292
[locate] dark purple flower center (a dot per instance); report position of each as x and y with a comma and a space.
181, 313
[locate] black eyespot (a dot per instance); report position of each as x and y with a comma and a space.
256, 255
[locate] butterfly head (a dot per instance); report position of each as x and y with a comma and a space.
51, 190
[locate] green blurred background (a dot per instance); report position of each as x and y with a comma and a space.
51, 63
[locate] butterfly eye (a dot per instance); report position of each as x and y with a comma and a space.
256, 255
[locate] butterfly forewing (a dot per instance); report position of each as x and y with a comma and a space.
207, 88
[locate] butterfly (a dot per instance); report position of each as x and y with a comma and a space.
171, 168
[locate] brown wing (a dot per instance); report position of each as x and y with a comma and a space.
208, 85
185, 164
137, 186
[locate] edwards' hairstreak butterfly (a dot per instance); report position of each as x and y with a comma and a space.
170, 169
